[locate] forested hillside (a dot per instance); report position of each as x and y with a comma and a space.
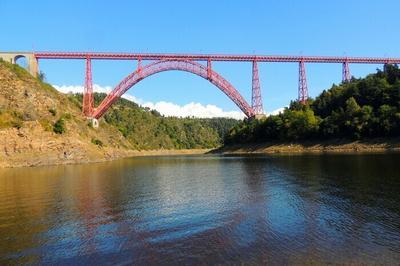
361, 109
148, 129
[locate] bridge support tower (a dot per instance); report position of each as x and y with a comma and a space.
346, 76
303, 90
88, 101
256, 98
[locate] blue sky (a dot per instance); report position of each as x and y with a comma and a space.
352, 28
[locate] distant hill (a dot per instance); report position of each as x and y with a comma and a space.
39, 125
362, 109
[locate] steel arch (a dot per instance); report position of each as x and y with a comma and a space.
167, 65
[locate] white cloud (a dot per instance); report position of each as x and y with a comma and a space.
168, 108
79, 89
277, 111
96, 88
192, 109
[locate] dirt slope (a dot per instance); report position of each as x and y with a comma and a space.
29, 109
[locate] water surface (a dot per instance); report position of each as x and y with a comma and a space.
204, 210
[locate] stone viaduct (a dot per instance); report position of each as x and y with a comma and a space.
31, 61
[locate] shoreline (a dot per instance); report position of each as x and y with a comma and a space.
287, 148
314, 147
144, 153
109, 155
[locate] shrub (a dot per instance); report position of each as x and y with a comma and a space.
16, 123
59, 126
97, 142
53, 111
46, 125
67, 116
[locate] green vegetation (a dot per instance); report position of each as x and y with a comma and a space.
41, 76
9, 118
67, 116
363, 108
148, 129
46, 124
59, 126
53, 111
97, 142
18, 70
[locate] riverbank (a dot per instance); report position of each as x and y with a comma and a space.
169, 152
331, 146
32, 159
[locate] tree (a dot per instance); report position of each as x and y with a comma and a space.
352, 107
301, 124
42, 76
367, 107
387, 115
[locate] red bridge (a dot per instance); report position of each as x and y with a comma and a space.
190, 63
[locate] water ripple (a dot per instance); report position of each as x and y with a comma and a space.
204, 210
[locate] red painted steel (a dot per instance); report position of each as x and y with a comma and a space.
190, 59
139, 64
209, 69
88, 103
166, 65
303, 90
216, 57
346, 76
256, 99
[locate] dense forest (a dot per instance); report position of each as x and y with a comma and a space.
148, 129
362, 108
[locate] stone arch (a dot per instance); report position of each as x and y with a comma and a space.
20, 56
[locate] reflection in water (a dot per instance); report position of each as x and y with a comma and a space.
204, 209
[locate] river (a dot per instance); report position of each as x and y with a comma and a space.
299, 209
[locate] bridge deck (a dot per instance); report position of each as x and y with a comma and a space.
215, 57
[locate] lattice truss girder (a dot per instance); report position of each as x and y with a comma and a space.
166, 65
